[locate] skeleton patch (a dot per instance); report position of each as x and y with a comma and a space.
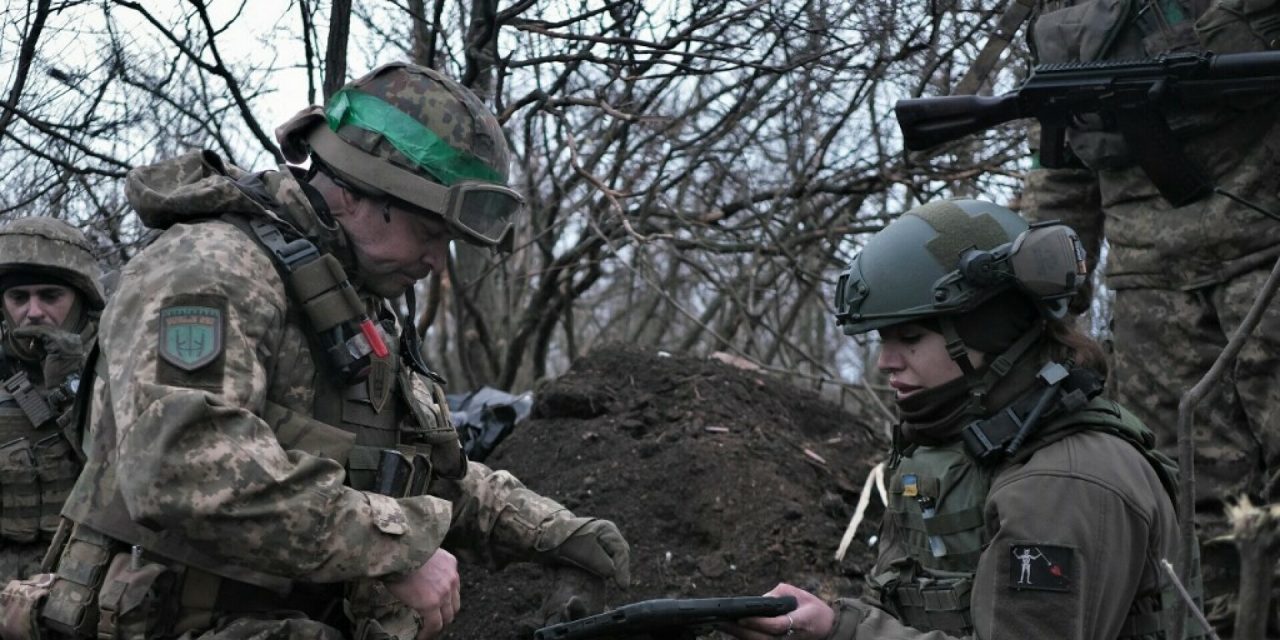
1040, 566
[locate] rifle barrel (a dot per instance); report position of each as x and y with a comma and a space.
1245, 65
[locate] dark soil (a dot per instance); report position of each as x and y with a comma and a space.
724, 482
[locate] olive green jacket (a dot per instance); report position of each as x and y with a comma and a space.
1091, 494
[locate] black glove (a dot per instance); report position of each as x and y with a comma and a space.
593, 545
61, 352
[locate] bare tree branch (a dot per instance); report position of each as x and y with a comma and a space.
25, 56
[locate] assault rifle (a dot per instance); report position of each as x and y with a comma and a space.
1127, 94
666, 618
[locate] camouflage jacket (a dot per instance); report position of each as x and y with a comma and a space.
191, 457
1153, 244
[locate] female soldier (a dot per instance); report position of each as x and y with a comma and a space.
1021, 504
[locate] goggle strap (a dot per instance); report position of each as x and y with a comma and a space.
352, 162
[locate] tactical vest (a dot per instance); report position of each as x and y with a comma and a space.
391, 429
935, 518
37, 463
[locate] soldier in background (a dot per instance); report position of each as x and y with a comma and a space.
51, 300
1184, 277
269, 455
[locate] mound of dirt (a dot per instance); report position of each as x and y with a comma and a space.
724, 481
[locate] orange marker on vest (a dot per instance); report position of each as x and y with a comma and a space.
375, 339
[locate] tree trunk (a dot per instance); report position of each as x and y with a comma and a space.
481, 332
335, 56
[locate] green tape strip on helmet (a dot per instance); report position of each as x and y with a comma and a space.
418, 143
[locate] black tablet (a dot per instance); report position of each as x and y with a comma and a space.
646, 616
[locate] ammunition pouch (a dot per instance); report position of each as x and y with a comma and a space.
35, 480
19, 492
399, 472
71, 608
136, 600
435, 430
938, 602
20, 605
401, 454
945, 605
57, 468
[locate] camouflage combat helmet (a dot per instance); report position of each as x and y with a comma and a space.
412, 134
50, 246
948, 257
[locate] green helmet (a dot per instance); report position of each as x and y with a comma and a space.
412, 134
948, 257
43, 246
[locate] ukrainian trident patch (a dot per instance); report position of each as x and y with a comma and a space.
190, 335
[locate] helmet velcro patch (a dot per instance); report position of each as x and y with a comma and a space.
958, 231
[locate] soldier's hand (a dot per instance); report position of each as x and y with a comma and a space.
61, 352
813, 619
595, 546
432, 591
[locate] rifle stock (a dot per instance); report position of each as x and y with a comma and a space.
929, 122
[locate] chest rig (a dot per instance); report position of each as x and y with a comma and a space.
393, 430
37, 463
935, 531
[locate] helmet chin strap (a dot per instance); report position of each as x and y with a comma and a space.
979, 386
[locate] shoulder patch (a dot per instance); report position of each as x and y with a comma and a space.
1040, 566
191, 334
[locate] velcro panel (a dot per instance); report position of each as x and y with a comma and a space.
316, 277
948, 523
333, 308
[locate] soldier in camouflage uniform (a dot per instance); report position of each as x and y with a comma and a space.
1184, 277
269, 456
49, 287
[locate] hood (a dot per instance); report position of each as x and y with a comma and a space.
190, 187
